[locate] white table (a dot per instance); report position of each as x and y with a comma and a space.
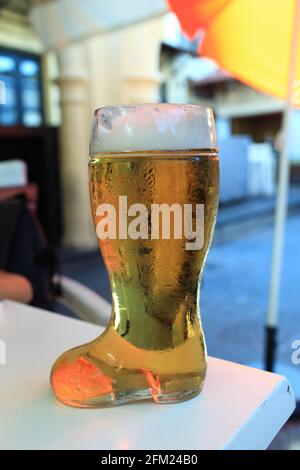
239, 408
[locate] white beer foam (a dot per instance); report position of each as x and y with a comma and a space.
135, 128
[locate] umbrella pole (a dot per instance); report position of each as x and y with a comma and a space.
281, 205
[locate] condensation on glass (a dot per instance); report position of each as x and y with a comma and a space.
153, 346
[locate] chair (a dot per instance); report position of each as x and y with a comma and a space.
82, 301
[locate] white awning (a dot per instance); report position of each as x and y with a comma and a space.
61, 22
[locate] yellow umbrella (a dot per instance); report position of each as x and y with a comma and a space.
258, 42
251, 39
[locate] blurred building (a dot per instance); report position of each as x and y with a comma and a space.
47, 100
121, 66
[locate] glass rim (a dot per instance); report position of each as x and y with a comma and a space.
152, 105
152, 127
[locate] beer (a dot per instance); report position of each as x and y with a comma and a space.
153, 346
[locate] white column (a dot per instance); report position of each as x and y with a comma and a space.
117, 67
124, 64
141, 89
74, 138
141, 49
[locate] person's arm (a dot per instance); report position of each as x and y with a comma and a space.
15, 287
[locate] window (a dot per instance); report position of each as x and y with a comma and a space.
20, 89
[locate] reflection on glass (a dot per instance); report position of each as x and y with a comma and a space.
29, 68
30, 95
32, 118
2, 92
9, 91
7, 64
9, 117
20, 90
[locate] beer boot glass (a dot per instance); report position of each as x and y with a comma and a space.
154, 183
